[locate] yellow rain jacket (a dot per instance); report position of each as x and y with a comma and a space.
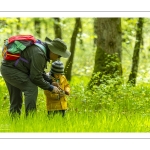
53, 100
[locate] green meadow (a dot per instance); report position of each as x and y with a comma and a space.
106, 109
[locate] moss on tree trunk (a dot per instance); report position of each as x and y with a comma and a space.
108, 53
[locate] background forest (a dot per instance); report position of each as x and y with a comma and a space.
112, 104
85, 41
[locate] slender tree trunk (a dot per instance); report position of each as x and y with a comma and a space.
18, 26
108, 53
69, 63
57, 28
80, 36
95, 32
135, 58
37, 24
48, 27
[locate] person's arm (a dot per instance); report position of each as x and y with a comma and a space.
37, 66
46, 77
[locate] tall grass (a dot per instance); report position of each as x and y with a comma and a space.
106, 109
77, 122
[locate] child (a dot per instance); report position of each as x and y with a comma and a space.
57, 103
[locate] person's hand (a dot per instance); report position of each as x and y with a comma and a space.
67, 93
55, 84
56, 90
62, 93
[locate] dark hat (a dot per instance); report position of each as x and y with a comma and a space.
57, 67
57, 46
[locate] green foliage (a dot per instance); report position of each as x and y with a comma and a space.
122, 100
105, 109
107, 67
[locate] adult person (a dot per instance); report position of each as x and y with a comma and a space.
23, 77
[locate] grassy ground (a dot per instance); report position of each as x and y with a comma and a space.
125, 109
77, 122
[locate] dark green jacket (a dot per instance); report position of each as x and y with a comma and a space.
34, 67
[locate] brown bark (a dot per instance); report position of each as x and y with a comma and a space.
57, 28
108, 53
69, 63
37, 25
18, 26
135, 58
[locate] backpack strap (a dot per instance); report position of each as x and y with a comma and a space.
41, 46
22, 59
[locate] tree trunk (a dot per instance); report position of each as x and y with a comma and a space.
108, 53
80, 36
18, 26
37, 24
95, 32
57, 28
69, 63
135, 58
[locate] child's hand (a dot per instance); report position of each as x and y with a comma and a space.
55, 84
56, 90
62, 94
67, 93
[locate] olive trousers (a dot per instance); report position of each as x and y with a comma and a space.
17, 83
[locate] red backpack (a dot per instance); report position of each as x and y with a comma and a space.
15, 44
